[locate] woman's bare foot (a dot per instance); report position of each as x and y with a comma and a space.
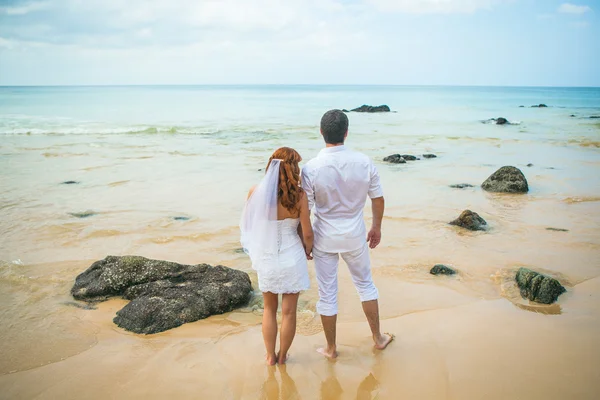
271, 359
383, 340
282, 360
328, 352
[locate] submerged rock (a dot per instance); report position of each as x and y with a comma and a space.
506, 180
409, 157
557, 229
461, 185
537, 287
539, 106
594, 116
440, 269
429, 156
164, 294
371, 109
84, 214
395, 159
501, 121
181, 218
530, 165
470, 220
70, 183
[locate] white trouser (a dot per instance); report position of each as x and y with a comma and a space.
359, 265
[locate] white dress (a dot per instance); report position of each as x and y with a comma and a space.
291, 274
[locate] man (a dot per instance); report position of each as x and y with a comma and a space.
337, 183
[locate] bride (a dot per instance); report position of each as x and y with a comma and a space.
278, 237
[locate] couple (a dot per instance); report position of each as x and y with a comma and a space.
278, 236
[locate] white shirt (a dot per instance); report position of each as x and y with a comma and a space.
337, 183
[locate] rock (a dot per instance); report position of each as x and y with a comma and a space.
557, 229
70, 183
539, 106
542, 105
344, 110
521, 106
395, 159
470, 220
501, 121
506, 180
461, 185
530, 165
572, 115
164, 294
408, 157
594, 116
429, 156
84, 214
440, 269
371, 109
181, 218
537, 287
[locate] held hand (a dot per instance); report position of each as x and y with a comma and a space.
374, 237
309, 255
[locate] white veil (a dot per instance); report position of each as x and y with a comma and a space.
259, 220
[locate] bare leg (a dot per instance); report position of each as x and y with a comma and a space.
269, 325
289, 304
329, 328
371, 309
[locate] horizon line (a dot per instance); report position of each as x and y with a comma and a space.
296, 84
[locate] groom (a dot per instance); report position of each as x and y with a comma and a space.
337, 183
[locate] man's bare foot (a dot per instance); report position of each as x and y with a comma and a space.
383, 340
282, 360
330, 353
271, 360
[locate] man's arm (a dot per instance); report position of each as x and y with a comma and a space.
374, 236
377, 206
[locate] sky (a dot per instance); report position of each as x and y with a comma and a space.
400, 42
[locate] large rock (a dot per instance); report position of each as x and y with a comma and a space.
395, 159
501, 121
470, 220
537, 287
371, 109
506, 180
164, 294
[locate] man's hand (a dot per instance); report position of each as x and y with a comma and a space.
374, 237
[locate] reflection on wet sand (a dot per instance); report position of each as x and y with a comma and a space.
285, 389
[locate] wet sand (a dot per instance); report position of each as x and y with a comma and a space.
467, 349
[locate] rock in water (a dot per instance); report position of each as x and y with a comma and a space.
506, 180
429, 156
537, 287
409, 157
470, 220
395, 159
371, 109
440, 269
461, 185
164, 294
83, 214
70, 183
501, 121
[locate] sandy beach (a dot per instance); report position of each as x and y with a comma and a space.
468, 336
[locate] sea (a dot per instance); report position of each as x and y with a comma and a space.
163, 171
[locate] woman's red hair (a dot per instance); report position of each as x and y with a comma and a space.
289, 177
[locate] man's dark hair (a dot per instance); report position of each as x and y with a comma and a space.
334, 125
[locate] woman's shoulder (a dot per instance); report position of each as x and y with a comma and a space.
252, 189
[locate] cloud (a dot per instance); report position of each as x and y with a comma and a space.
568, 8
434, 6
23, 9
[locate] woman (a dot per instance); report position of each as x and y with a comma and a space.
277, 235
